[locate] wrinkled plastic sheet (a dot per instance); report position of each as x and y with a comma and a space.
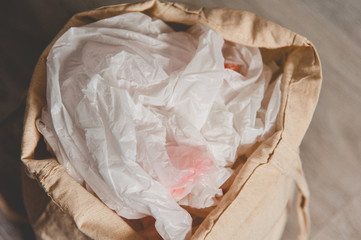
151, 118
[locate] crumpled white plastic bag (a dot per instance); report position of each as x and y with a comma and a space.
150, 118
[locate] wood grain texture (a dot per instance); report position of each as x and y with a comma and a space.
331, 150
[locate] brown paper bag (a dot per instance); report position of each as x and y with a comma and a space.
255, 204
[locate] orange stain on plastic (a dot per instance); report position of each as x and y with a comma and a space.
234, 67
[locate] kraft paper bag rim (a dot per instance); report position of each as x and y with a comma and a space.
277, 157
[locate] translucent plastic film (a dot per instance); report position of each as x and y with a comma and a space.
151, 118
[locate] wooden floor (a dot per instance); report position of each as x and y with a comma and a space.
331, 149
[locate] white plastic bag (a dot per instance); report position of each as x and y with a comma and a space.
150, 118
